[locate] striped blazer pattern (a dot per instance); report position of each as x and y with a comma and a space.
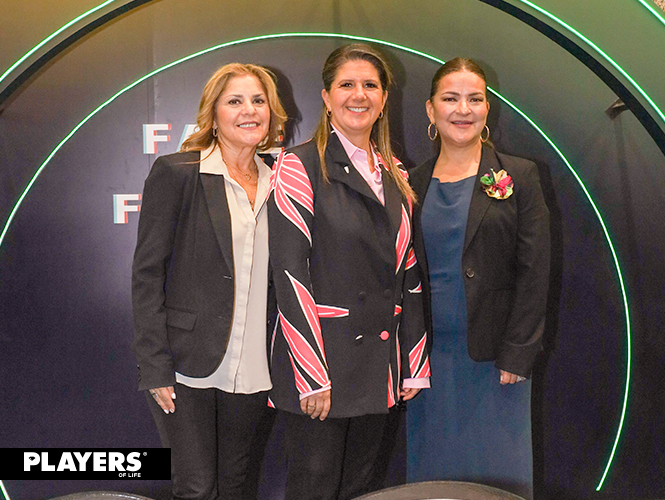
350, 311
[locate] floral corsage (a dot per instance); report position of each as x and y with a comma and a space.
497, 185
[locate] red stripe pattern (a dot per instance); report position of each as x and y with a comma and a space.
403, 238
419, 360
331, 311
291, 184
304, 355
411, 259
310, 310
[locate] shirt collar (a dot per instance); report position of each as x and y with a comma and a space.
351, 149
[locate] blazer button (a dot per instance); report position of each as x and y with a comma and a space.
387, 293
384, 335
470, 273
362, 296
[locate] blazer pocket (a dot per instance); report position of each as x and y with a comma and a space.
180, 319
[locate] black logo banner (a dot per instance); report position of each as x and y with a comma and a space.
86, 463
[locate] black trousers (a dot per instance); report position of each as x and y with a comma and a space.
215, 437
333, 459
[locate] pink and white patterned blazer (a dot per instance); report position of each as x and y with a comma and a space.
348, 287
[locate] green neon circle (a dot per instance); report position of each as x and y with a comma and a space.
411, 51
653, 11
52, 36
4, 491
595, 47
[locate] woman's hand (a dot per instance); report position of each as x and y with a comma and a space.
164, 397
509, 378
408, 393
316, 405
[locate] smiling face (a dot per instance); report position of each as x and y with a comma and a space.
459, 108
355, 100
242, 113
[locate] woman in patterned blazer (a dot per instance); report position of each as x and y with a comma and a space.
350, 341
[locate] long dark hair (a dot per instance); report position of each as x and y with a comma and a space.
380, 130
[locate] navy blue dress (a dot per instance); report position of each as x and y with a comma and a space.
467, 427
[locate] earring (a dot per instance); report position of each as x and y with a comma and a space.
429, 132
488, 134
381, 114
214, 131
329, 113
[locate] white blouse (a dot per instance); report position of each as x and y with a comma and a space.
244, 368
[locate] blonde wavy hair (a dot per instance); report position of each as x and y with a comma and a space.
381, 129
205, 119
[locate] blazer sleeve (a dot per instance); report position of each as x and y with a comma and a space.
291, 222
413, 337
160, 207
526, 323
413, 334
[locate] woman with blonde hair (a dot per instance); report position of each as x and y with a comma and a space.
351, 340
200, 289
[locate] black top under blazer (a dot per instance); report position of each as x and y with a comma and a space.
348, 287
505, 263
182, 275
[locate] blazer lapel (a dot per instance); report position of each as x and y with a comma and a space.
480, 202
342, 170
211, 173
218, 209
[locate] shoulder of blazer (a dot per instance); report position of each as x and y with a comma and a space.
517, 164
184, 162
307, 153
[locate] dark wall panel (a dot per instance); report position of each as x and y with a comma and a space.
67, 374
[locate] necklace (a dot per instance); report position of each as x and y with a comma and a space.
248, 177
248, 188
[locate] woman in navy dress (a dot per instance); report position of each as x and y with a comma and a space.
481, 235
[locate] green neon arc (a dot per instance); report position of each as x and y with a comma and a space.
601, 53
409, 50
52, 36
649, 7
4, 490
623, 291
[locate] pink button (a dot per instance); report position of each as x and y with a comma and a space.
384, 335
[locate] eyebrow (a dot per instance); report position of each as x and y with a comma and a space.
242, 95
360, 79
457, 93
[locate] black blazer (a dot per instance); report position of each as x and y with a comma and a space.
505, 263
348, 288
182, 275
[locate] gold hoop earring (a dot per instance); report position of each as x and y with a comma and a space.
429, 132
488, 135
329, 113
381, 114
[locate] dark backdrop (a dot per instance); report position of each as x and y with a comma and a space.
68, 378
